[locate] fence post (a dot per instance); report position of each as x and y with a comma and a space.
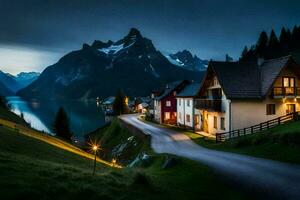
279, 118
239, 133
251, 129
244, 131
260, 127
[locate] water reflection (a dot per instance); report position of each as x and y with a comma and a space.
84, 116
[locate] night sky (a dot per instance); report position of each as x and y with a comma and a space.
36, 33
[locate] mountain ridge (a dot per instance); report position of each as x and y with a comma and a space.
132, 64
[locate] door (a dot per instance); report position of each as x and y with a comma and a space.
205, 122
290, 108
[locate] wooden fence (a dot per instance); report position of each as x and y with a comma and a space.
257, 128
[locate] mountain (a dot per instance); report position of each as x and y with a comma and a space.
15, 83
186, 60
4, 91
132, 64
9, 82
25, 78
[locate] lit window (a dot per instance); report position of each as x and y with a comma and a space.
167, 115
222, 123
215, 122
168, 103
188, 118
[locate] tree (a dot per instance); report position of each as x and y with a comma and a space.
119, 104
273, 50
228, 58
3, 102
284, 41
62, 125
244, 53
261, 44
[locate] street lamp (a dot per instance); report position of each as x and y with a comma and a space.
95, 148
114, 161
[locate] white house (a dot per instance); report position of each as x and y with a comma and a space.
185, 106
237, 95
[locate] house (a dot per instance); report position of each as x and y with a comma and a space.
107, 104
236, 95
186, 116
165, 104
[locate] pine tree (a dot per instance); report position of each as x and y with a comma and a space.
62, 125
261, 44
119, 104
273, 49
283, 40
244, 54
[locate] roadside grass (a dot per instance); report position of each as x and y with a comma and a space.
38, 166
281, 143
30, 168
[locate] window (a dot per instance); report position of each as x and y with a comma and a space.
188, 103
290, 108
168, 103
270, 109
215, 122
222, 123
288, 82
167, 115
188, 118
215, 81
197, 119
179, 102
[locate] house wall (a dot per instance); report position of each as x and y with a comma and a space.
249, 113
209, 115
172, 109
183, 110
157, 111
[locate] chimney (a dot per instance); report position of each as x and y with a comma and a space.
260, 61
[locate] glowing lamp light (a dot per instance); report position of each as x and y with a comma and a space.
95, 148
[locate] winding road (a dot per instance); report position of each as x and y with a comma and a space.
264, 177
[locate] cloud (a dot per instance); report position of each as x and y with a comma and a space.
14, 59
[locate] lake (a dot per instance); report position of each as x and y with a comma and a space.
84, 116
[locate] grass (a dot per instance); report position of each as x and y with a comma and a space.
281, 143
36, 169
10, 116
113, 137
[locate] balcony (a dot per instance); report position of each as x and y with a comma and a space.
209, 104
279, 92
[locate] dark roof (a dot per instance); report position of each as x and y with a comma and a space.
190, 90
170, 87
247, 79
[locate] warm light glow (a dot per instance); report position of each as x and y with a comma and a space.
114, 161
283, 100
295, 99
126, 101
95, 148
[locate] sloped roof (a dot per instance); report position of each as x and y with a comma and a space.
247, 79
190, 90
169, 88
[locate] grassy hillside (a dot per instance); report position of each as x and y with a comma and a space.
10, 116
35, 169
280, 143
